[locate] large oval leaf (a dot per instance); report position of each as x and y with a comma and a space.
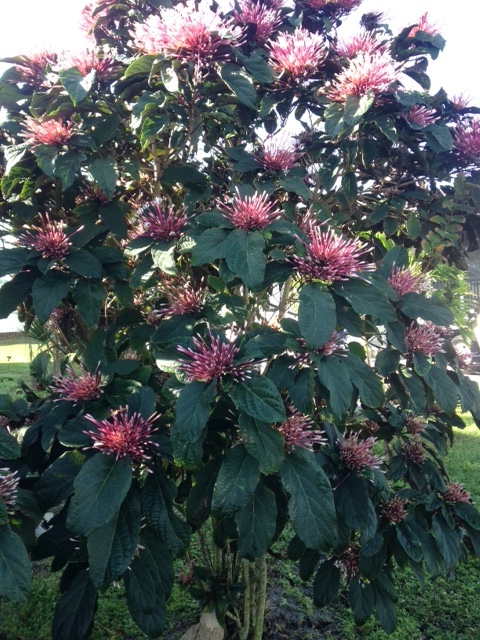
317, 315
259, 398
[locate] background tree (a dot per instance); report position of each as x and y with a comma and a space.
249, 333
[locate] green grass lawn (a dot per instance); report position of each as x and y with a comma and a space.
439, 610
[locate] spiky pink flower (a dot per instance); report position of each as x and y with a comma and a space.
421, 116
394, 510
363, 42
466, 140
298, 431
425, 26
191, 31
424, 338
456, 493
336, 346
87, 61
357, 454
185, 299
55, 133
214, 360
366, 74
414, 452
250, 212
33, 67
404, 280
415, 425
123, 435
466, 358
349, 562
261, 19
77, 387
330, 257
461, 101
298, 54
275, 156
49, 238
160, 223
8, 487
338, 7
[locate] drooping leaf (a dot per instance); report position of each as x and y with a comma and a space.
326, 583
361, 599
367, 299
14, 292
48, 291
417, 305
193, 409
356, 107
84, 263
311, 505
9, 446
56, 483
13, 260
368, 384
236, 482
317, 315
105, 174
100, 488
352, 501
75, 609
302, 391
76, 85
444, 389
259, 398
15, 568
209, 246
245, 257
262, 442
66, 166
89, 296
256, 524
200, 497
240, 83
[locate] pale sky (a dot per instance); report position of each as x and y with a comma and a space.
28, 24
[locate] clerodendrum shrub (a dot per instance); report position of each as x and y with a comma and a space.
226, 223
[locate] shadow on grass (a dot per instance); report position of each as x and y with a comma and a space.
10, 375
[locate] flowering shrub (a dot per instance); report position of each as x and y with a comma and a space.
247, 329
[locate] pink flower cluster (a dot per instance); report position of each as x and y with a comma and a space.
275, 156
414, 452
192, 31
8, 487
159, 223
264, 19
298, 431
424, 338
467, 140
456, 493
415, 425
330, 257
210, 361
338, 7
48, 238
366, 74
394, 510
33, 67
123, 435
421, 116
298, 54
336, 346
185, 299
424, 26
87, 61
250, 212
357, 454
363, 42
404, 280
54, 133
349, 562
77, 387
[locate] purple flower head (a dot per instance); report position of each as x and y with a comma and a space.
33, 67
414, 452
214, 360
424, 338
349, 562
54, 133
363, 42
250, 212
366, 74
357, 454
421, 116
298, 431
394, 510
48, 238
160, 223
8, 487
185, 299
330, 257
466, 140
415, 425
77, 387
123, 435
456, 493
275, 156
87, 61
264, 20
336, 346
298, 54
404, 280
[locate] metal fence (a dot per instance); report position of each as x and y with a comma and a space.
475, 289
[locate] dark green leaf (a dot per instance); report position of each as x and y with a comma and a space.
14, 292
15, 569
100, 489
236, 481
448, 540
387, 127
356, 107
387, 361
75, 609
89, 296
367, 299
9, 447
334, 121
443, 387
262, 442
410, 542
66, 166
240, 83
311, 506
84, 263
369, 386
256, 523
76, 85
112, 546
142, 65
209, 246
349, 186
164, 259
158, 495
193, 409
441, 135
317, 315
361, 600
105, 174
334, 375
257, 66
326, 583
385, 610
200, 497
245, 257
417, 305
56, 483
295, 185
301, 392
186, 174
13, 260
352, 501
48, 291
113, 215
259, 398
